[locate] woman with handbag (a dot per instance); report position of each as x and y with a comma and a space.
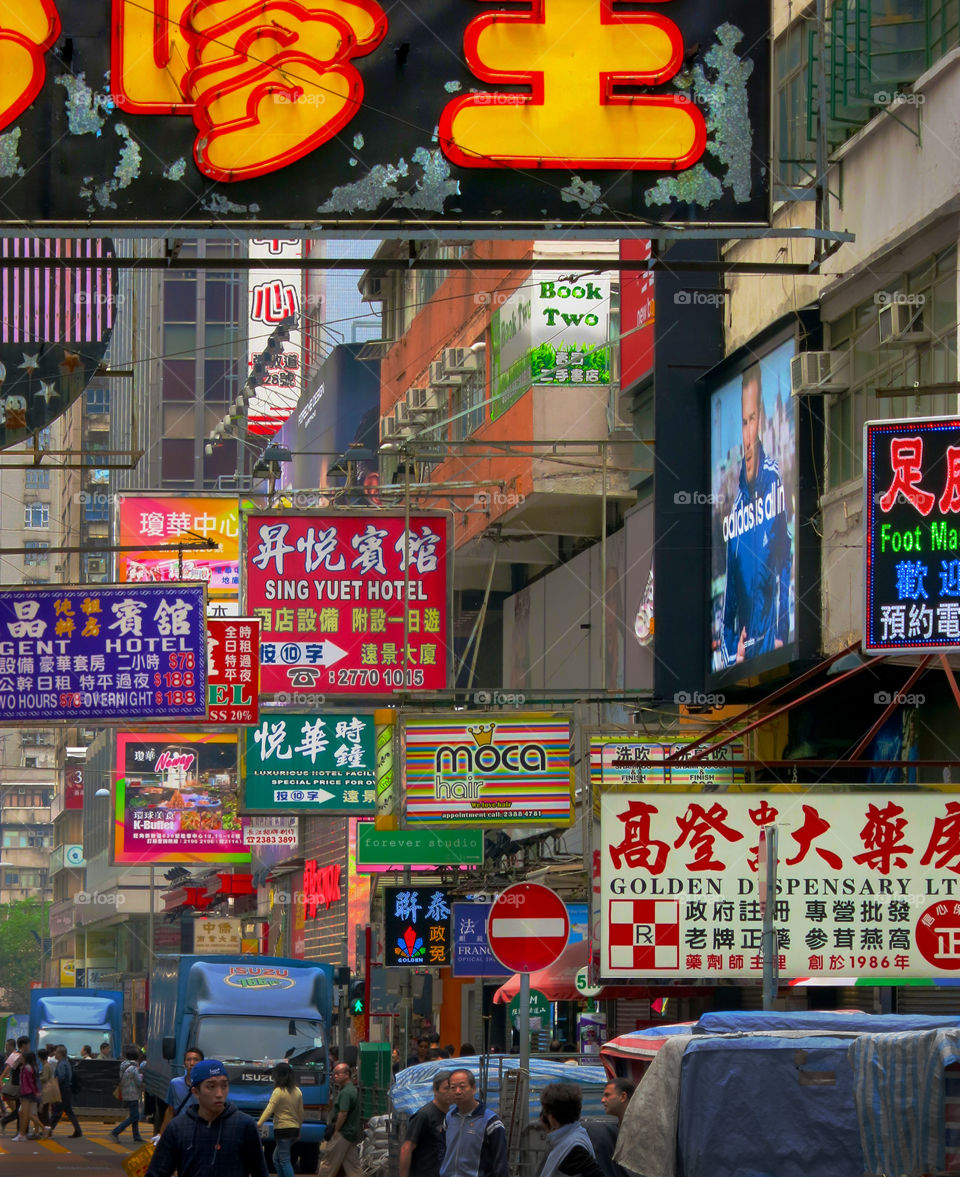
127, 1091
286, 1110
29, 1095
49, 1089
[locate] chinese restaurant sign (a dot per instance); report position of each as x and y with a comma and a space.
331, 111
866, 885
330, 592
912, 509
176, 799
161, 521
92, 652
310, 764
233, 670
488, 772
416, 926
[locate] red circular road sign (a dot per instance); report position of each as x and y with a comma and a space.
528, 927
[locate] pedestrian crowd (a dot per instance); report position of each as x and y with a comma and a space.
202, 1131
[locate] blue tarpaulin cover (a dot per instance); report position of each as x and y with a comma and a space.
750, 1021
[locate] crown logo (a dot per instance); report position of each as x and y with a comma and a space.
482, 735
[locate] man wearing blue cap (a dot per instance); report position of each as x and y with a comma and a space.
213, 1137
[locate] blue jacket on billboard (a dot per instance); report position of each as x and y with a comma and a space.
757, 595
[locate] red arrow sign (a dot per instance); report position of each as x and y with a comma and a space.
528, 927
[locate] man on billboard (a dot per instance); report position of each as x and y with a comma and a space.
756, 607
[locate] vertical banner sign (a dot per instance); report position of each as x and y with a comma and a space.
176, 799
159, 521
275, 301
102, 652
488, 771
416, 926
310, 764
865, 885
912, 558
337, 594
233, 670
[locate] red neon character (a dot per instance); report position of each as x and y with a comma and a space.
906, 458
27, 30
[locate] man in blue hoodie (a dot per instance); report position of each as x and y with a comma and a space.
213, 1137
476, 1140
756, 606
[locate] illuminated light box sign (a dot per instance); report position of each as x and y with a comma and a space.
233, 673
274, 112
336, 598
154, 521
865, 885
103, 652
274, 297
912, 555
310, 764
176, 799
488, 771
624, 763
418, 848
58, 309
416, 926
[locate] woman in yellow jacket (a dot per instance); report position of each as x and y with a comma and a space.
286, 1110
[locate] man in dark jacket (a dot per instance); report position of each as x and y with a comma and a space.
213, 1137
64, 1073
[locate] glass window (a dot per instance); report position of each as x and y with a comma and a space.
177, 460
179, 340
35, 551
178, 380
36, 515
270, 1040
37, 479
95, 512
98, 400
794, 154
223, 301
180, 300
219, 381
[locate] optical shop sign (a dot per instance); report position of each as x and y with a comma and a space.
867, 885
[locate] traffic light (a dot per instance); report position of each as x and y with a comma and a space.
356, 1004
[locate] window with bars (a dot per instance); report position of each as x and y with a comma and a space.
794, 150
36, 515
872, 365
37, 479
468, 407
35, 552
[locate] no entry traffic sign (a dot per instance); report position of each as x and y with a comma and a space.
528, 927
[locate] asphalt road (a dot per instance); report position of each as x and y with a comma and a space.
93, 1153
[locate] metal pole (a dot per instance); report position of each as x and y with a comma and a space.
151, 919
523, 1024
769, 936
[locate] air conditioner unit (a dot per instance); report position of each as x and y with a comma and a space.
96, 563
423, 404
442, 377
371, 288
401, 413
901, 323
456, 359
814, 373
388, 426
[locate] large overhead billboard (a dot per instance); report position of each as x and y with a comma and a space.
753, 505
865, 885
135, 113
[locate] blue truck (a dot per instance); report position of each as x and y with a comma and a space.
250, 1012
76, 1018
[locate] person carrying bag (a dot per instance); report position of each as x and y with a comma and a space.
286, 1110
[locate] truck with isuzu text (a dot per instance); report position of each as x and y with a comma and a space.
250, 1012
